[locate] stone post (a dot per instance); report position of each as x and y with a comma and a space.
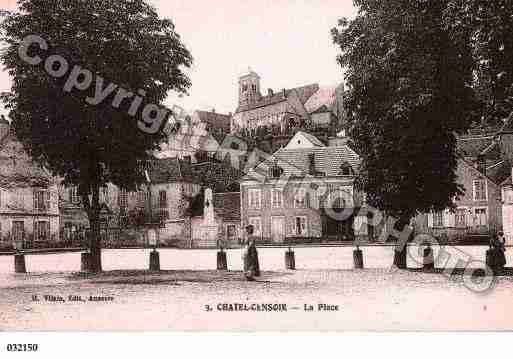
19, 263
290, 259
429, 260
222, 263
358, 258
154, 261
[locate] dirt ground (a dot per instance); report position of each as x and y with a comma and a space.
193, 296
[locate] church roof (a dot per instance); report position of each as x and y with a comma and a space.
303, 93
324, 97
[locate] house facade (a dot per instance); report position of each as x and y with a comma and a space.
304, 191
29, 211
478, 212
126, 217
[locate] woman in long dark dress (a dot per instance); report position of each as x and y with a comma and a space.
498, 246
250, 255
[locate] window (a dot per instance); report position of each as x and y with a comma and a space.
42, 230
300, 226
231, 231
360, 225
162, 199
460, 217
480, 218
277, 198
73, 195
276, 171
438, 219
480, 192
163, 214
42, 200
256, 222
105, 194
300, 199
346, 169
255, 198
346, 194
123, 199
141, 198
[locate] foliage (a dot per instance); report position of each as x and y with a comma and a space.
409, 76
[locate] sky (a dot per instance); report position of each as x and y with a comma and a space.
287, 42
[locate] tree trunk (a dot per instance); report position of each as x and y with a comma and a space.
401, 247
95, 240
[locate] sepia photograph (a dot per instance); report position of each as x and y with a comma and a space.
255, 166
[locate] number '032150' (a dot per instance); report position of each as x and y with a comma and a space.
22, 347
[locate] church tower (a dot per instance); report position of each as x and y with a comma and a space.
249, 88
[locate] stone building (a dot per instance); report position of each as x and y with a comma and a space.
276, 116
197, 137
478, 213
126, 216
305, 191
29, 211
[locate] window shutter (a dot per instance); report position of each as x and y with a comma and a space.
430, 219
34, 195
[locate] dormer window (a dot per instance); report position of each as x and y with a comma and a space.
346, 169
276, 171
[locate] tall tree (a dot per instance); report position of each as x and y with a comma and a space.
92, 135
409, 71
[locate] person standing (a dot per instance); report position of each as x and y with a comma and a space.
250, 255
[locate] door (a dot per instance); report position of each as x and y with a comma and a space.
18, 233
278, 229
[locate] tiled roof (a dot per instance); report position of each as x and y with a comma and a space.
296, 162
324, 97
227, 205
216, 120
168, 170
16, 167
473, 146
498, 172
303, 92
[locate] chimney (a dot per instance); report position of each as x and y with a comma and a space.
270, 92
311, 163
284, 92
213, 110
481, 164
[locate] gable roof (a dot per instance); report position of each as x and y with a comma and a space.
303, 93
323, 99
296, 162
215, 120
314, 141
169, 170
17, 169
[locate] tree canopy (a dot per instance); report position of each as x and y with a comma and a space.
410, 70
92, 135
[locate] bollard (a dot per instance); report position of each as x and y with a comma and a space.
290, 259
85, 262
19, 263
154, 261
429, 259
222, 263
358, 258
